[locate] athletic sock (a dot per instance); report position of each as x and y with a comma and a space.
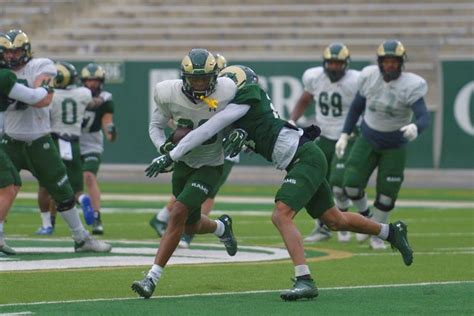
220, 229
380, 216
71, 217
163, 215
302, 272
384, 232
155, 273
46, 219
361, 204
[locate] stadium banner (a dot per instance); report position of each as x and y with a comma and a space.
132, 82
457, 149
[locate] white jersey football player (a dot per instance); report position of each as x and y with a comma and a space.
190, 102
332, 87
28, 142
387, 100
67, 111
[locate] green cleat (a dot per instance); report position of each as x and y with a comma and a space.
158, 226
301, 289
228, 238
398, 240
144, 288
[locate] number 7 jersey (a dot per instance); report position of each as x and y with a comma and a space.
332, 99
67, 110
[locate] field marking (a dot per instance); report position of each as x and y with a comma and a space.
255, 200
337, 288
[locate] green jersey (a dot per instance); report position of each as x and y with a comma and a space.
7, 81
262, 122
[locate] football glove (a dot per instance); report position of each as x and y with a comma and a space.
160, 164
234, 142
410, 131
112, 130
167, 146
341, 145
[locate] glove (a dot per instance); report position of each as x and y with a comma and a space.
234, 142
341, 145
160, 164
48, 85
410, 131
292, 122
166, 147
112, 130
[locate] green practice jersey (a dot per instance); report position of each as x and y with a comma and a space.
7, 81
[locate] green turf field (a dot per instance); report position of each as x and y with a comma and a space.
352, 279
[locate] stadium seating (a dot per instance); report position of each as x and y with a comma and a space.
248, 29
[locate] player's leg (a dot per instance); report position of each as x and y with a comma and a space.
44, 201
321, 232
208, 204
90, 167
359, 166
10, 183
51, 173
159, 221
389, 180
302, 181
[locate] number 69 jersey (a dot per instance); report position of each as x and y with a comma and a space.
332, 99
67, 110
173, 104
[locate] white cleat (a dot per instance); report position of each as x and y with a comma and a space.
343, 236
318, 234
377, 244
90, 244
361, 237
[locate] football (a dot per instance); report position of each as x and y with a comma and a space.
179, 133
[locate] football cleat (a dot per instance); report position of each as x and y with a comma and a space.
91, 245
144, 288
343, 236
4, 248
319, 233
45, 231
97, 227
376, 243
228, 238
301, 289
185, 241
158, 226
398, 240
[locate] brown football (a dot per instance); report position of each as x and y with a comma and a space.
179, 133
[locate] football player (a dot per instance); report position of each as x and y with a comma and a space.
10, 91
305, 184
159, 221
28, 143
98, 121
387, 98
333, 87
190, 102
67, 111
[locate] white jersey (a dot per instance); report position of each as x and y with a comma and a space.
23, 122
173, 104
67, 110
388, 104
332, 99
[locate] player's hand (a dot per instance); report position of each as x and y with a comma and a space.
292, 122
234, 142
160, 164
341, 145
410, 131
166, 147
112, 130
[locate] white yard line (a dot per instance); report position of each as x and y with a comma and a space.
357, 287
256, 200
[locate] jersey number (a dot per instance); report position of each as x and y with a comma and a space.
88, 120
333, 104
69, 111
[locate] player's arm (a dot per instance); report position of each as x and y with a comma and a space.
37, 97
422, 120
158, 122
108, 127
217, 122
301, 106
355, 111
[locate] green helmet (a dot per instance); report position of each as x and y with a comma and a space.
199, 63
336, 52
21, 41
242, 75
67, 75
5, 44
93, 71
391, 48
221, 61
